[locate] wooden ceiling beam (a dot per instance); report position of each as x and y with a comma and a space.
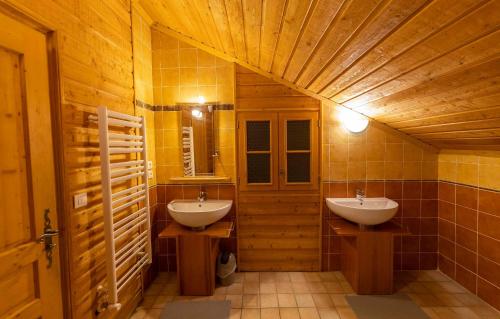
465, 81
386, 22
439, 105
429, 56
456, 126
322, 20
220, 20
272, 23
252, 21
460, 134
237, 28
425, 23
295, 16
353, 17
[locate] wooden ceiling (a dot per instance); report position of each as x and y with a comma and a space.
427, 68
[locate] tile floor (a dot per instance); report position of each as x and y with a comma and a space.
318, 295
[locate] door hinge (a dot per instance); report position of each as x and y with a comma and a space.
237, 124
319, 123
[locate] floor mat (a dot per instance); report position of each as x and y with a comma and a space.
197, 310
395, 306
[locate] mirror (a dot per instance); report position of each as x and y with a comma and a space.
199, 150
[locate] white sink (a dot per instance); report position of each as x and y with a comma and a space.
370, 211
197, 214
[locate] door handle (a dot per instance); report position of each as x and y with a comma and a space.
46, 237
282, 172
49, 233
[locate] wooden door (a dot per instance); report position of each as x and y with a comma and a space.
29, 288
258, 151
298, 139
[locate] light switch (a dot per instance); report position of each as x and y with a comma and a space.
150, 173
80, 200
150, 164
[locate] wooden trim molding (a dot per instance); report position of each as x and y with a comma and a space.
59, 160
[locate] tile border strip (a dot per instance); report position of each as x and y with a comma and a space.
410, 180
471, 186
178, 107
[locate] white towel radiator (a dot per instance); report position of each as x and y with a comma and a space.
188, 151
126, 212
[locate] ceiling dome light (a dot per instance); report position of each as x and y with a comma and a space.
353, 122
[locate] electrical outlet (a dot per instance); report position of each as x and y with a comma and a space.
150, 164
80, 200
150, 173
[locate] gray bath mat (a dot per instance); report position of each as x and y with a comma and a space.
197, 310
385, 307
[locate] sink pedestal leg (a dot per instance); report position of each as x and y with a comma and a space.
367, 262
196, 263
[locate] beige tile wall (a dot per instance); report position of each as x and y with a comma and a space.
168, 146
475, 168
181, 73
375, 154
226, 164
150, 139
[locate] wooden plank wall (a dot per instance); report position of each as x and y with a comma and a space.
96, 68
277, 231
256, 92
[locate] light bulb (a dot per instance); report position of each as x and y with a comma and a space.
196, 113
201, 99
354, 122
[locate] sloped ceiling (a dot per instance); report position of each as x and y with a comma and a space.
427, 68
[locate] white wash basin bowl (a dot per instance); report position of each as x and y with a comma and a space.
370, 211
193, 213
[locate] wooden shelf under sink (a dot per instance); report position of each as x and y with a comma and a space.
216, 230
367, 256
197, 253
342, 227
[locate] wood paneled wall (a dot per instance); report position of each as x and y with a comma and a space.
255, 92
427, 68
143, 55
143, 78
280, 230
94, 47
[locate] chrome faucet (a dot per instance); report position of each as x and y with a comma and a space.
202, 196
360, 195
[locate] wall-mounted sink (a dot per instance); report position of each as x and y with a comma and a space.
369, 211
198, 214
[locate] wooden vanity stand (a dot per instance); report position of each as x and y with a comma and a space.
197, 253
367, 256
